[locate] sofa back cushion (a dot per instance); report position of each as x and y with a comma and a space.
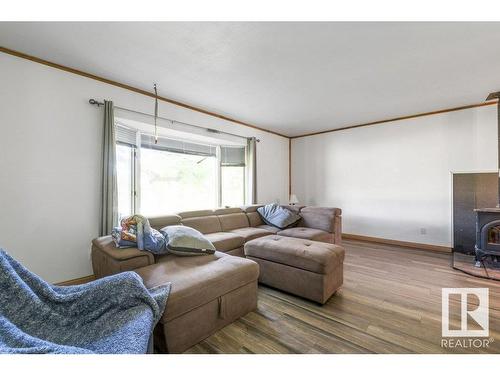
251, 208
292, 207
159, 222
228, 210
233, 221
198, 213
319, 217
254, 219
203, 224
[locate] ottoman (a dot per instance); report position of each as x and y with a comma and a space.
208, 292
310, 269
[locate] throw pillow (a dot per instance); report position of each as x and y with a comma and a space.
186, 241
277, 216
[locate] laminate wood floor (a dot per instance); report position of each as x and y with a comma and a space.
390, 303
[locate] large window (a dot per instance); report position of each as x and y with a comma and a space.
172, 182
156, 178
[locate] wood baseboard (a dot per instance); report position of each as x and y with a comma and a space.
413, 245
80, 280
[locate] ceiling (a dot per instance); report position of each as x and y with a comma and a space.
292, 78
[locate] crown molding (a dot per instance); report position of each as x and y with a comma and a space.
397, 119
222, 117
131, 88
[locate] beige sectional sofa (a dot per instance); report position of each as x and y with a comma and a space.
209, 292
227, 228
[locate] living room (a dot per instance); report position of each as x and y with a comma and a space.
249, 187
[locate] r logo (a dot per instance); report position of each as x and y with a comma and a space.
479, 314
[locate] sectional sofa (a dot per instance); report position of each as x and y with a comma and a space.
209, 292
227, 228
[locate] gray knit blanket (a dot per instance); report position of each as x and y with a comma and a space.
115, 314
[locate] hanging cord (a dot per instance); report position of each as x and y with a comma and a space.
156, 114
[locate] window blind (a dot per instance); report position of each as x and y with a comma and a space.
232, 156
125, 135
173, 145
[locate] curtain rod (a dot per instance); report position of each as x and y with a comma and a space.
209, 130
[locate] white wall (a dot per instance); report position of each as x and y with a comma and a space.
393, 179
50, 144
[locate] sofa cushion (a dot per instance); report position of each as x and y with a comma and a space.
107, 246
319, 217
225, 241
269, 228
251, 233
232, 221
159, 222
203, 224
313, 256
251, 208
280, 217
292, 207
108, 259
197, 280
198, 213
228, 210
236, 252
307, 233
254, 219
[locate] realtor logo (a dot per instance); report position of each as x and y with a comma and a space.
477, 314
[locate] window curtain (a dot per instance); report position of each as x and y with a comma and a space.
251, 163
109, 196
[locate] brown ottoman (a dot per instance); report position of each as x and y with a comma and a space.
208, 292
310, 269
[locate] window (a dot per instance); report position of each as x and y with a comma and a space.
232, 176
172, 175
172, 182
125, 180
233, 186
126, 169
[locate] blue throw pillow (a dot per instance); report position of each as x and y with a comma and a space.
277, 216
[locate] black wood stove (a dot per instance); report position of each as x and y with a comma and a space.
488, 237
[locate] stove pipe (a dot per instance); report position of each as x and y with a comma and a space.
492, 96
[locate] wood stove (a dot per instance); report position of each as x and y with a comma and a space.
484, 261
488, 236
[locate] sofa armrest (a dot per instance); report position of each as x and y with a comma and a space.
328, 219
107, 259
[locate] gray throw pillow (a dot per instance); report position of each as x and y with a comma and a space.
277, 216
186, 241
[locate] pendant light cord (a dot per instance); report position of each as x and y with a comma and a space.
156, 114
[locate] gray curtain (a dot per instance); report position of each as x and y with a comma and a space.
251, 163
109, 196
